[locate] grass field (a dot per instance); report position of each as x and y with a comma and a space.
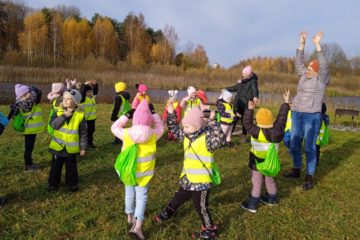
329, 211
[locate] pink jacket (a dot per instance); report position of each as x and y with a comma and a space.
138, 133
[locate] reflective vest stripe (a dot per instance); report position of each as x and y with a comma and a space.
194, 171
145, 174
260, 146
145, 159
34, 125
71, 144
35, 114
203, 158
64, 130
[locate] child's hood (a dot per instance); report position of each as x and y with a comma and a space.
140, 133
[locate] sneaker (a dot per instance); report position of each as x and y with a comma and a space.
164, 215
3, 201
74, 188
270, 200
251, 204
32, 168
308, 183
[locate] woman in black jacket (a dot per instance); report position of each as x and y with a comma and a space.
246, 90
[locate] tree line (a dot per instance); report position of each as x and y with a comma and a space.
61, 37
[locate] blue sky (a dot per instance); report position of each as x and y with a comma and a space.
232, 30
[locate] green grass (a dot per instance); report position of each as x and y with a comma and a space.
329, 211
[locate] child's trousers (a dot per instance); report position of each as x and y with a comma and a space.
227, 129
135, 201
29, 148
71, 172
200, 201
257, 180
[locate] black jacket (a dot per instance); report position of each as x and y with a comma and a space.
245, 91
117, 104
274, 134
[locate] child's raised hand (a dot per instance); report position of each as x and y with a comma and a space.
251, 105
286, 96
317, 38
303, 36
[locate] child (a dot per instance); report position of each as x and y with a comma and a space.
225, 110
145, 136
69, 139
172, 100
27, 100
200, 141
142, 94
88, 92
121, 105
55, 98
191, 101
3, 122
323, 128
265, 132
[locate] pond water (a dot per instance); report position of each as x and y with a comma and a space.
106, 95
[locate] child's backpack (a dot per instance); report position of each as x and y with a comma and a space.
125, 165
271, 166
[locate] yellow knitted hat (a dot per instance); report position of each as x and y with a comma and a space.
120, 87
264, 118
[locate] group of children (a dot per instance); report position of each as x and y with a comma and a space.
72, 124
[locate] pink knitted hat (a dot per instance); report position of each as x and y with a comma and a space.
247, 70
142, 115
142, 88
195, 118
57, 89
21, 90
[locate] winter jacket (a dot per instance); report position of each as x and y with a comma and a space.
310, 92
245, 91
274, 134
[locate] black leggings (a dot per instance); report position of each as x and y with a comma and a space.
90, 130
29, 148
200, 201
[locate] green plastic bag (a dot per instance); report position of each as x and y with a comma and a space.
271, 165
325, 139
125, 165
215, 176
18, 122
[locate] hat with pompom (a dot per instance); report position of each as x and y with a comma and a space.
142, 114
21, 90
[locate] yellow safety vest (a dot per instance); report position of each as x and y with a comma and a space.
68, 135
288, 122
145, 165
228, 109
193, 168
122, 107
260, 146
34, 122
141, 97
89, 108
191, 104
321, 133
